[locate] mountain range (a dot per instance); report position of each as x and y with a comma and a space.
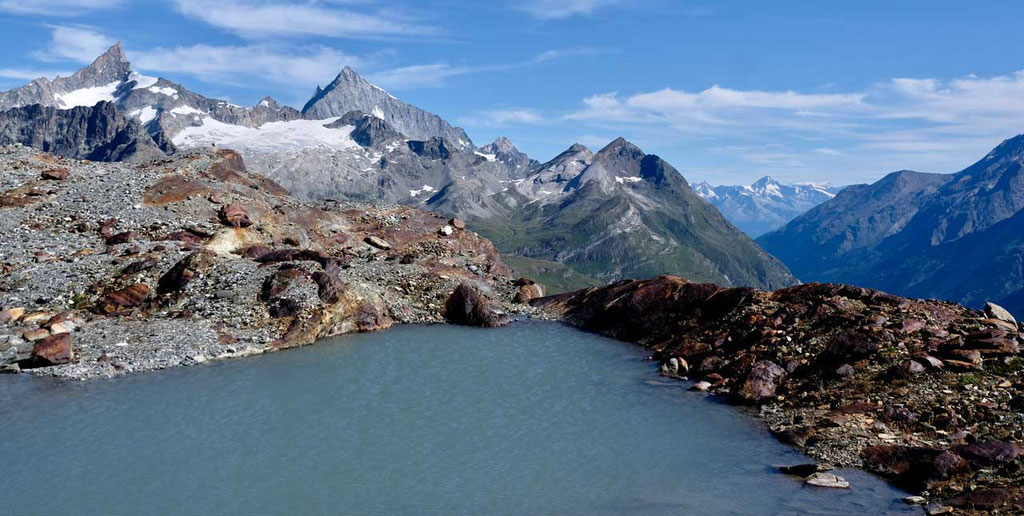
955, 236
765, 205
582, 218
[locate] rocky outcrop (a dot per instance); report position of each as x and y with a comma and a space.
923, 392
178, 261
469, 307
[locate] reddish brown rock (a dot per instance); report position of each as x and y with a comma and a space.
56, 174
457, 223
235, 215
120, 238
761, 383
528, 292
913, 466
468, 307
132, 296
53, 350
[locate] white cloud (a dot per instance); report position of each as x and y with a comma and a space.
56, 7
555, 9
503, 117
79, 44
260, 18
299, 67
417, 76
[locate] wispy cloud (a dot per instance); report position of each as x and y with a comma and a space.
555, 9
433, 75
261, 18
296, 66
418, 76
75, 43
56, 7
503, 117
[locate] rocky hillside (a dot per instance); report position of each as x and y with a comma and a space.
765, 205
947, 236
926, 393
109, 268
623, 213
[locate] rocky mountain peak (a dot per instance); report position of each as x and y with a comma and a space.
268, 102
111, 66
500, 144
1009, 149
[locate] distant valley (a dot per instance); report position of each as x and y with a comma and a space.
765, 205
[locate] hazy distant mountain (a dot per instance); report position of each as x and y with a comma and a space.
951, 236
623, 213
765, 205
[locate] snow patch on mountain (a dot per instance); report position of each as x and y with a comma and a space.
87, 96
291, 135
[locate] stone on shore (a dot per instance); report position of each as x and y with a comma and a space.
828, 480
468, 307
53, 350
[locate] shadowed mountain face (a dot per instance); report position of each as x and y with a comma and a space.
951, 236
582, 217
623, 213
96, 133
765, 205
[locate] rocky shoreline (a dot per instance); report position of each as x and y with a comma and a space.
114, 268
927, 394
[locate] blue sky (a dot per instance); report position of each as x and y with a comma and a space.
842, 92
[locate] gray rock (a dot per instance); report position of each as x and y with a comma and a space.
997, 312
828, 480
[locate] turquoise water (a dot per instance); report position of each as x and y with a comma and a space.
534, 418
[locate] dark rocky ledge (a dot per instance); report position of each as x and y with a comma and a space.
926, 393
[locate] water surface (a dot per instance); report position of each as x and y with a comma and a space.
534, 418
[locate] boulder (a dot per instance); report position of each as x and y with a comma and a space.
446, 230
378, 242
53, 350
675, 367
701, 386
457, 224
764, 378
235, 215
916, 467
828, 480
528, 292
468, 307
131, 296
56, 174
995, 311
11, 314
35, 335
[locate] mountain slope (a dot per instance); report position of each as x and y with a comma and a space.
623, 213
96, 133
765, 205
952, 236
